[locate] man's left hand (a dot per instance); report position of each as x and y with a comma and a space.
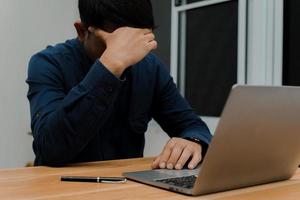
176, 153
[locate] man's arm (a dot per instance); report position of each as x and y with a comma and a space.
177, 118
125, 47
63, 123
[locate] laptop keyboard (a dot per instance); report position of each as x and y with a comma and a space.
185, 182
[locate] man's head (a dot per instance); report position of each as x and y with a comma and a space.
109, 15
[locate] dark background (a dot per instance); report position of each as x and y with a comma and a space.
162, 15
211, 52
291, 49
211, 56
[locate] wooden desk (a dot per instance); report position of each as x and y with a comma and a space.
44, 183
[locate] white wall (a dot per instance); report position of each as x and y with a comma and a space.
25, 28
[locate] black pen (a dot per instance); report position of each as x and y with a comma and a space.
94, 179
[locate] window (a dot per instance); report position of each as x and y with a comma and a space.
250, 51
205, 59
291, 56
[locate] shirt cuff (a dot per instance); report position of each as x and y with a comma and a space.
203, 135
100, 81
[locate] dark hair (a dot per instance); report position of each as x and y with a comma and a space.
119, 13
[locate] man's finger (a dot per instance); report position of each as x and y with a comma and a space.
175, 155
152, 45
155, 163
186, 154
150, 37
99, 33
195, 160
146, 31
164, 157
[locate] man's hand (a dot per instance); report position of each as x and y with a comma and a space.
125, 47
176, 153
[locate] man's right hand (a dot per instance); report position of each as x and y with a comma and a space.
125, 47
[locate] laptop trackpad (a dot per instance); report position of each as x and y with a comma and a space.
158, 174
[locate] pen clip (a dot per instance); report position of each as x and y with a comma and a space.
123, 180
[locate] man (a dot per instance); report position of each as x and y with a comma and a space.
91, 98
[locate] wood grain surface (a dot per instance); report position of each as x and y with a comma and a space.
37, 183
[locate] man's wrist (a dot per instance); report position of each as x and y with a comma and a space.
204, 145
113, 65
193, 139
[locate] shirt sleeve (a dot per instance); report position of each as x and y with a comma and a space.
173, 112
64, 123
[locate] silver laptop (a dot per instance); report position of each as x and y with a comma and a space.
257, 141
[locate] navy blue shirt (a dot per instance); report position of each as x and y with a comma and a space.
81, 112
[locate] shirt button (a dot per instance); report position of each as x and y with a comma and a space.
109, 89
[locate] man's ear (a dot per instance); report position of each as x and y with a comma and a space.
81, 31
